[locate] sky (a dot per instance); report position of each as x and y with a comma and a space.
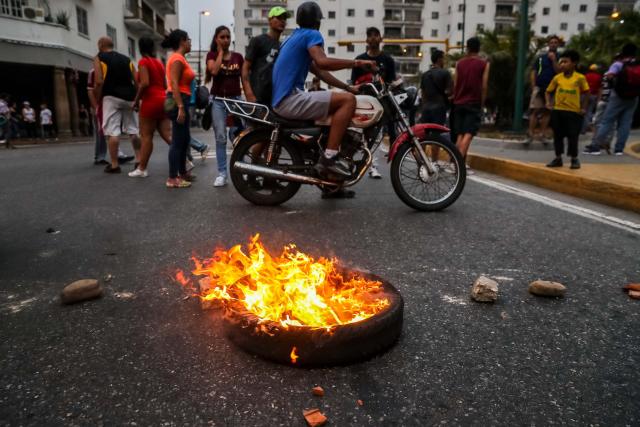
188, 12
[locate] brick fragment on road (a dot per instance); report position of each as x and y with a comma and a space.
484, 290
81, 290
634, 294
317, 391
545, 288
359, 402
314, 417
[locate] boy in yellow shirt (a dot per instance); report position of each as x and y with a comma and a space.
567, 97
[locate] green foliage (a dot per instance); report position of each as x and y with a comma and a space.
605, 40
62, 18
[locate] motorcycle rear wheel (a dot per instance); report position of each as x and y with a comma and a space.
257, 189
421, 191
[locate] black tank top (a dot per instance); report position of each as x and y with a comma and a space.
118, 76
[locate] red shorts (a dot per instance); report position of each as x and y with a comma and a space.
152, 107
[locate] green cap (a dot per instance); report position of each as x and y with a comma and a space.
278, 11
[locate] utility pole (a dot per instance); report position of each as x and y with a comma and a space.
464, 23
205, 13
523, 41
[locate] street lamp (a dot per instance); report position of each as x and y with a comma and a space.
615, 14
205, 13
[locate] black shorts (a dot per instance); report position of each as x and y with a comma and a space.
566, 124
436, 115
467, 118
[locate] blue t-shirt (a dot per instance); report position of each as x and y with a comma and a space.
544, 71
293, 63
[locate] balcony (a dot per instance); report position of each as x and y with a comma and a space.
268, 3
165, 7
141, 18
259, 21
406, 4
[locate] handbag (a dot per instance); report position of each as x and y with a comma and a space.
206, 116
202, 97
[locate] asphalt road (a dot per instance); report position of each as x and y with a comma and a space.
156, 359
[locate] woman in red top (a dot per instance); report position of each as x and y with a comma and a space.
151, 92
224, 67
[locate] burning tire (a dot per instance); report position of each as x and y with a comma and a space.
313, 347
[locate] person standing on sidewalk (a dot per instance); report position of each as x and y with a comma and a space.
224, 68
623, 101
29, 119
594, 79
115, 86
436, 86
387, 67
46, 121
5, 120
179, 78
567, 97
471, 82
544, 69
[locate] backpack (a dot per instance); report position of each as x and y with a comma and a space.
628, 80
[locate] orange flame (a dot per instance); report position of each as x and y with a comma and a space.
290, 289
294, 356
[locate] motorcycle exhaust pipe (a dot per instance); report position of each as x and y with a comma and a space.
268, 172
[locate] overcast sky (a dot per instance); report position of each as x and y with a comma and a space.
221, 14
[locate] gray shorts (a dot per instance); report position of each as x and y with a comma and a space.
305, 105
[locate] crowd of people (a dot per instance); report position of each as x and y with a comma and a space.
24, 122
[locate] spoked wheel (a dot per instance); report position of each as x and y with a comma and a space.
261, 190
426, 191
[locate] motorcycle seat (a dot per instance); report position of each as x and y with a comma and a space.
290, 124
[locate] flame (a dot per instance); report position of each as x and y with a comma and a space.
290, 289
294, 356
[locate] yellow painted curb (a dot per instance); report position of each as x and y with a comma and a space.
633, 149
600, 191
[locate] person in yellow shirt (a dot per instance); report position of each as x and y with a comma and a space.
567, 97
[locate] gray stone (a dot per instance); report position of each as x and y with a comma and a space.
81, 290
484, 290
545, 288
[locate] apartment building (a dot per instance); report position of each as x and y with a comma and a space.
47, 46
442, 22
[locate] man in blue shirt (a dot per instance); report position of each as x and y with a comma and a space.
543, 71
304, 52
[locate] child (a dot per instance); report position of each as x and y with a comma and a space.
567, 97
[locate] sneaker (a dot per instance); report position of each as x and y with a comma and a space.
111, 169
126, 159
469, 170
618, 153
204, 152
188, 177
555, 163
190, 165
339, 194
100, 162
589, 149
374, 173
528, 141
332, 166
220, 181
177, 183
575, 163
137, 173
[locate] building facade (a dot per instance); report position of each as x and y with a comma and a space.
442, 22
47, 47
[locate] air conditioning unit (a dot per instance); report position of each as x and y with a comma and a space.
33, 13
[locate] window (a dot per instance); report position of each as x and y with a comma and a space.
564, 8
449, 10
351, 48
392, 15
480, 27
580, 27
351, 13
435, 15
370, 13
111, 32
583, 8
332, 14
413, 15
546, 11
461, 7
448, 28
481, 8
248, 13
544, 30
131, 43
460, 26
332, 50
248, 32
434, 33
264, 13
564, 26
351, 30
332, 33
83, 27
11, 7
265, 30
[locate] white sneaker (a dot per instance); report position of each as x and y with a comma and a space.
190, 165
374, 173
470, 171
137, 173
220, 181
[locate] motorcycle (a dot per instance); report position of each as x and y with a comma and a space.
275, 156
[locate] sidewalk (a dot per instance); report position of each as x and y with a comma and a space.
606, 179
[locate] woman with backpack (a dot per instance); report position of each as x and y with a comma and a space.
224, 68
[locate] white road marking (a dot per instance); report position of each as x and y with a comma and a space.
613, 221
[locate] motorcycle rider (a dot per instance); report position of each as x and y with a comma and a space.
304, 51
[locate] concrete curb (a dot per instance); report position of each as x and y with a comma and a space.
633, 150
562, 181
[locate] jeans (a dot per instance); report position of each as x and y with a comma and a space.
597, 120
180, 139
591, 109
619, 109
100, 152
219, 114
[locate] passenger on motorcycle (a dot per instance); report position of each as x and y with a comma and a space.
304, 51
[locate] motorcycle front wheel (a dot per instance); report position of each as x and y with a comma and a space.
258, 189
426, 191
